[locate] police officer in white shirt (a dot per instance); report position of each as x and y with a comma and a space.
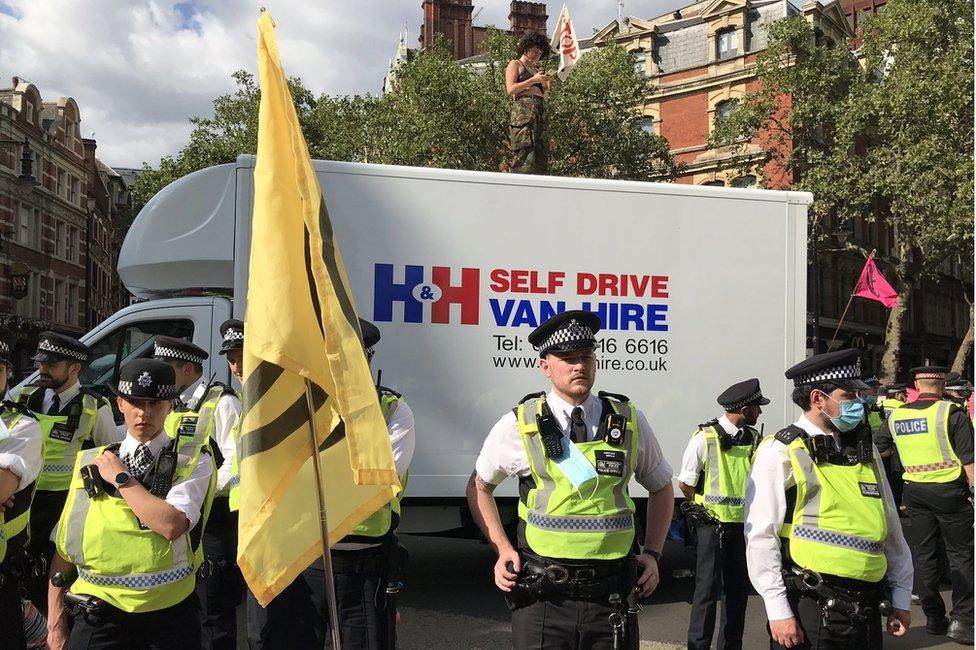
562, 579
20, 464
822, 531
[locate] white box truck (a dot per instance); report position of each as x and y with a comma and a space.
697, 288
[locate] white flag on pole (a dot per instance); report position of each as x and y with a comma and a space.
564, 41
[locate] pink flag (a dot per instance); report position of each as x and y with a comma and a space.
873, 286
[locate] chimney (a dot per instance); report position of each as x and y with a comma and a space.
527, 17
16, 81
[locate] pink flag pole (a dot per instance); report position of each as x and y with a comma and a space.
849, 301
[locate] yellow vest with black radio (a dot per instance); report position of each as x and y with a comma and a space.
725, 472
14, 531
922, 438
596, 521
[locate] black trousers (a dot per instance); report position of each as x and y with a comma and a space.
942, 511
173, 628
298, 618
838, 632
44, 514
555, 624
11, 615
223, 590
721, 574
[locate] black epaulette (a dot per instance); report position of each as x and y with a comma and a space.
710, 423
91, 391
388, 391
531, 396
616, 396
227, 389
20, 408
791, 433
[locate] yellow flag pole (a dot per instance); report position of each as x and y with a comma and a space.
323, 522
849, 301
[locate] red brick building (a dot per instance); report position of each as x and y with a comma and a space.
60, 220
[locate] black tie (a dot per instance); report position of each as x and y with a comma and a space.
577, 429
55, 405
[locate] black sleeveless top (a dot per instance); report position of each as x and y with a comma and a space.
525, 75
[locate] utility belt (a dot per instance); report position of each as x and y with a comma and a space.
18, 567
542, 579
368, 560
856, 599
697, 515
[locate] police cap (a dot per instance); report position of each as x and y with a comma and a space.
166, 347
53, 347
147, 379
371, 334
232, 335
742, 394
841, 368
570, 330
929, 372
957, 382
7, 341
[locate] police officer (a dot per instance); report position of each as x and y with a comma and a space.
570, 583
128, 534
896, 395
71, 416
223, 590
872, 402
361, 562
934, 438
958, 390
822, 532
713, 475
20, 464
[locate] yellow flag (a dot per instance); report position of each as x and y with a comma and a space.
301, 325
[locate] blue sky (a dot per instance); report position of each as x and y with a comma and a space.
141, 69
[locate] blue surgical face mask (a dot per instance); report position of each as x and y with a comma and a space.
870, 400
574, 465
851, 414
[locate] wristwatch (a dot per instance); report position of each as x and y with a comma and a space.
121, 479
654, 554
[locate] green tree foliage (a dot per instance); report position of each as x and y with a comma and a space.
444, 115
887, 137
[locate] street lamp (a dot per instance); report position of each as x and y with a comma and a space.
26, 178
842, 233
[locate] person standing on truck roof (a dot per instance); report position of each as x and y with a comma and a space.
218, 410
934, 438
364, 562
129, 537
713, 476
528, 124
20, 464
71, 416
822, 531
575, 574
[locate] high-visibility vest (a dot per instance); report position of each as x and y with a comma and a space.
14, 531
839, 525
384, 521
63, 434
889, 404
723, 488
922, 439
594, 523
119, 560
875, 417
234, 494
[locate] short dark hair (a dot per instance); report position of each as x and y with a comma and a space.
533, 39
801, 394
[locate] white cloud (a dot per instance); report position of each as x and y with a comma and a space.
138, 69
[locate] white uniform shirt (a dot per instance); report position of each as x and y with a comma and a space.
105, 431
694, 456
771, 477
403, 440
226, 414
20, 450
503, 453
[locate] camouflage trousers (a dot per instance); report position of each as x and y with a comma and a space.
528, 136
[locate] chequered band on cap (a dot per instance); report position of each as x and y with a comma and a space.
172, 353
743, 402
4, 348
47, 346
233, 335
826, 375
930, 375
574, 331
163, 391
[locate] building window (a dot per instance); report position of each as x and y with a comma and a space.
745, 181
647, 125
73, 190
62, 185
726, 44
640, 62
59, 239
28, 231
724, 109
72, 244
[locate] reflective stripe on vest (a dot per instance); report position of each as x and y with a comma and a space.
382, 522
726, 473
234, 494
922, 439
123, 563
17, 524
61, 446
594, 523
839, 524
